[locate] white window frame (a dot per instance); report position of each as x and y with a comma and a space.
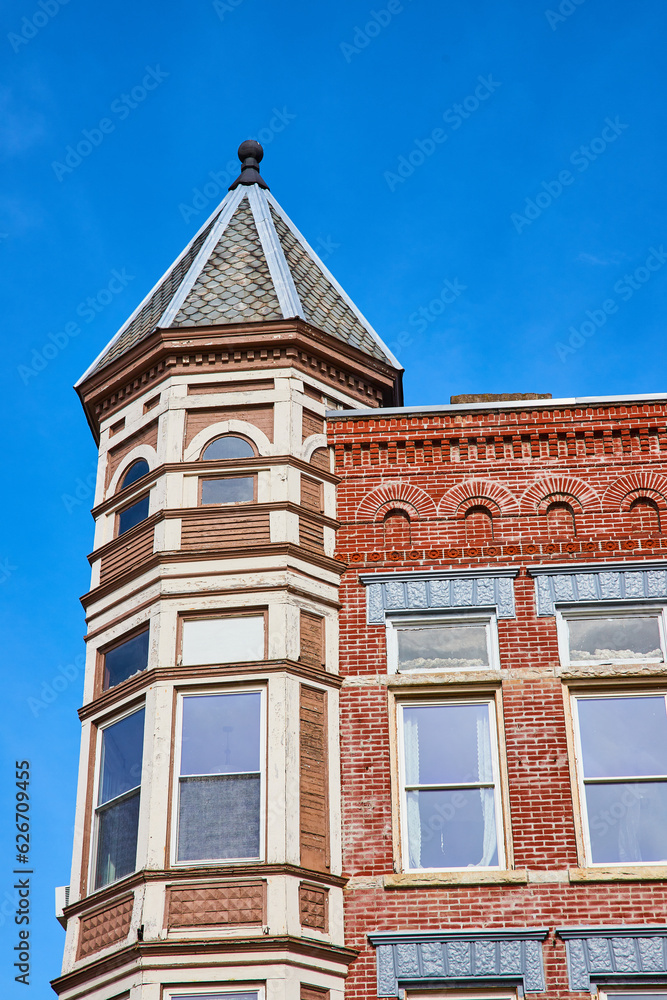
490, 701
394, 622
253, 689
92, 862
634, 991
474, 994
222, 991
576, 697
592, 612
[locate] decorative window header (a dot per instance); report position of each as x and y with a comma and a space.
622, 955
598, 582
483, 958
440, 591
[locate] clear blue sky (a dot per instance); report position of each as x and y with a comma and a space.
340, 107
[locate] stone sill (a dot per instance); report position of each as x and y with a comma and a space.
425, 880
622, 873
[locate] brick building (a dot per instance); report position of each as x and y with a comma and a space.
375, 695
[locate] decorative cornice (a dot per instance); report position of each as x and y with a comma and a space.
625, 954
595, 583
438, 958
440, 591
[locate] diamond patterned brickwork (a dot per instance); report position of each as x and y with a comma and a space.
323, 304
232, 903
235, 286
150, 312
313, 906
105, 927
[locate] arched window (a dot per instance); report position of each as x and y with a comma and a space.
136, 471
479, 525
645, 517
397, 534
560, 521
227, 447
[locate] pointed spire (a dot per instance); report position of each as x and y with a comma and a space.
250, 154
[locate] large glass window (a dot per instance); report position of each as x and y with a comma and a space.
227, 447
622, 760
132, 515
125, 659
220, 783
229, 639
441, 644
118, 795
231, 489
450, 801
612, 637
136, 471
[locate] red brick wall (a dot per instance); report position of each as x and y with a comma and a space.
598, 461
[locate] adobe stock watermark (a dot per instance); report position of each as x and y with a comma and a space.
422, 318
6, 569
83, 490
121, 107
624, 288
224, 7
87, 310
566, 8
31, 26
581, 158
54, 687
454, 118
219, 182
377, 22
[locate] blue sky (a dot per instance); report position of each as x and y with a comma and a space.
512, 243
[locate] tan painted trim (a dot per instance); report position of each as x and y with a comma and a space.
483, 876
88, 812
574, 778
156, 675
623, 873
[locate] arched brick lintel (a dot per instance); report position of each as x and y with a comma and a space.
406, 493
560, 489
477, 493
637, 485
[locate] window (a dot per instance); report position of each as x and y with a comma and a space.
136, 471
227, 447
118, 794
441, 643
236, 489
125, 659
644, 995
612, 637
217, 995
132, 515
622, 769
223, 640
220, 777
450, 800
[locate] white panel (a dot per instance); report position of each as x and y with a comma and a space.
223, 640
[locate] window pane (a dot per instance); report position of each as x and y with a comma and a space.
136, 471
127, 659
455, 829
445, 646
117, 840
623, 736
122, 751
628, 638
133, 515
219, 818
628, 822
223, 640
221, 733
214, 996
227, 447
230, 490
446, 743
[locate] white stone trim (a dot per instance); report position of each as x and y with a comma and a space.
199, 441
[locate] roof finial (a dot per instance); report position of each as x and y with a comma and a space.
250, 154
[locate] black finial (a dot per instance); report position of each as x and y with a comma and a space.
250, 155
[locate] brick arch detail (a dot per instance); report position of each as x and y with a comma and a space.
477, 492
387, 508
559, 489
638, 485
573, 502
398, 491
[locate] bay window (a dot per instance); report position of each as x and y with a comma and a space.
221, 777
118, 798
